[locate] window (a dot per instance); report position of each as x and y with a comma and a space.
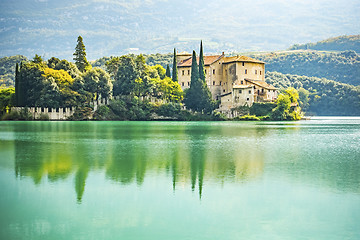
188, 83
182, 84
188, 72
245, 71
260, 72
220, 83
213, 82
255, 71
242, 82
243, 63
224, 90
249, 91
240, 91
183, 72
205, 71
247, 99
213, 71
262, 90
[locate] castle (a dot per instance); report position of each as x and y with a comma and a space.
236, 81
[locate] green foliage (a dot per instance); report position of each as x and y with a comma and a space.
247, 118
169, 109
7, 70
175, 77
6, 99
201, 64
168, 73
339, 66
125, 77
321, 96
262, 109
82, 113
44, 117
286, 106
198, 97
160, 70
22, 115
37, 59
104, 113
341, 43
98, 83
80, 56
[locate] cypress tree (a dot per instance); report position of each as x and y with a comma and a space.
175, 73
16, 84
80, 55
168, 74
192, 95
201, 64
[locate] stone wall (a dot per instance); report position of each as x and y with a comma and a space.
52, 113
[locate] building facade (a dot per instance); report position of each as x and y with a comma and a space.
236, 81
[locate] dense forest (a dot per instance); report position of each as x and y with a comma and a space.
7, 69
339, 66
320, 96
341, 43
150, 59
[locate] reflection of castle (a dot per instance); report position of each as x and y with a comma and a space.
193, 160
236, 81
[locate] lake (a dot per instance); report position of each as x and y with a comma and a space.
180, 180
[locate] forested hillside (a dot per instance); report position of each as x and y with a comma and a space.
7, 69
339, 66
324, 97
151, 59
341, 43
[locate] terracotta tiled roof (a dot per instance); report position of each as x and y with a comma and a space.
207, 61
261, 84
241, 59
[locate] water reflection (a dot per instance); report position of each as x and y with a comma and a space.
190, 154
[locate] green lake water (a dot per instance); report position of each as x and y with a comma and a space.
180, 180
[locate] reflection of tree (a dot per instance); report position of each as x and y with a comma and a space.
127, 152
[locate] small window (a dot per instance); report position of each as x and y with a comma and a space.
242, 82
183, 72
213, 71
205, 71
262, 90
220, 83
240, 91
213, 82
224, 90
245, 71
188, 83
255, 71
188, 72
249, 91
260, 72
243, 63
182, 84
247, 99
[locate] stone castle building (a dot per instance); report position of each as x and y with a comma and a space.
236, 81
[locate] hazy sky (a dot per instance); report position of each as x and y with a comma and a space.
110, 27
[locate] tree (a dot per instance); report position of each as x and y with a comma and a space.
80, 56
37, 59
192, 94
125, 78
168, 73
16, 83
175, 73
6, 98
201, 64
98, 82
